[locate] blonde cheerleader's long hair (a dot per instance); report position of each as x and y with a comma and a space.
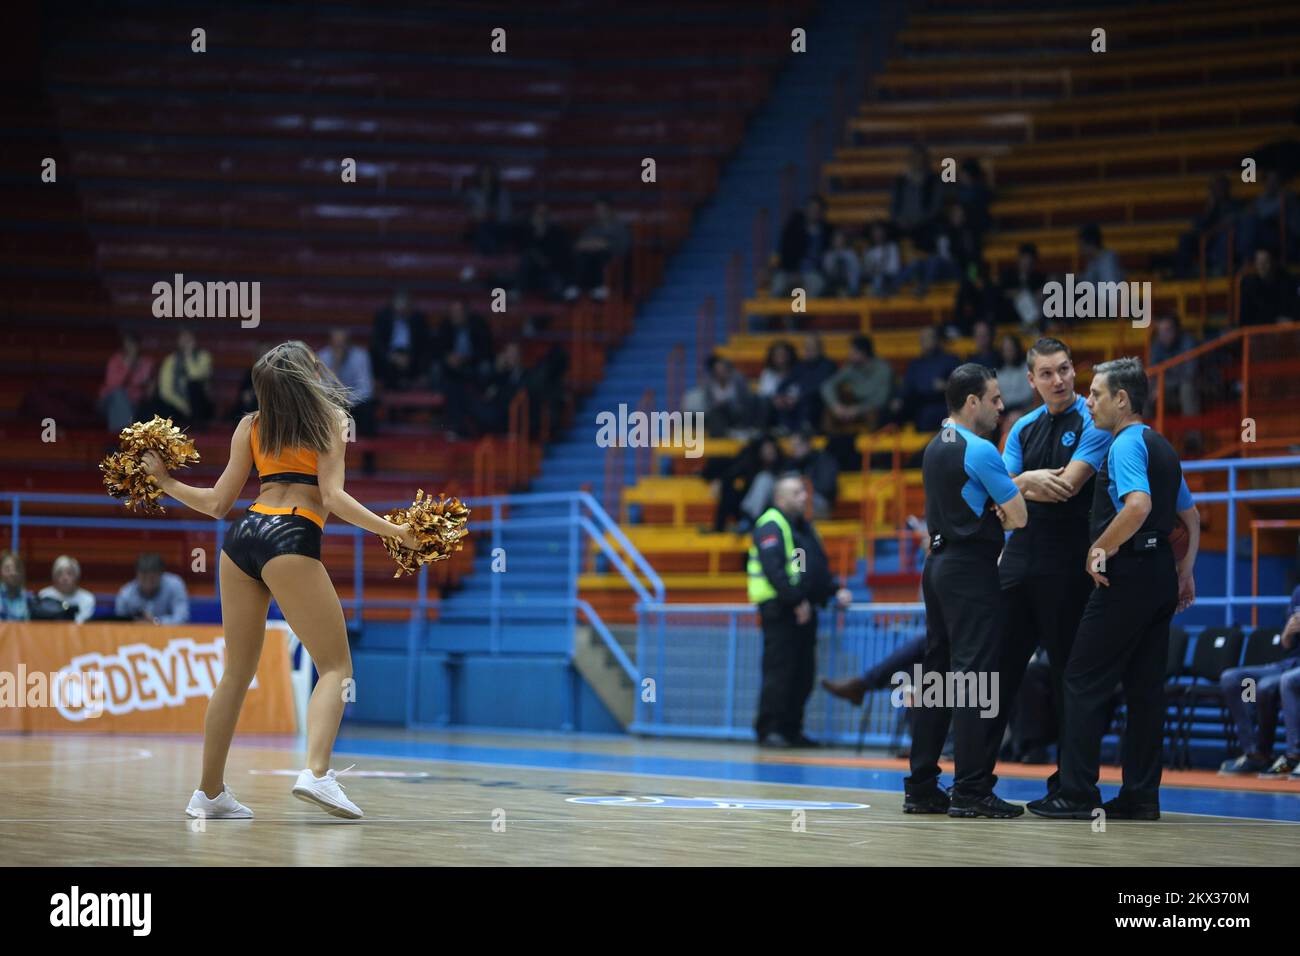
301, 403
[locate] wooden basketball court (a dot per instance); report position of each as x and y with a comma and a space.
504, 799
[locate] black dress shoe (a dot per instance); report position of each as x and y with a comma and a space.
990, 805
1118, 809
1056, 807
777, 742
852, 689
936, 800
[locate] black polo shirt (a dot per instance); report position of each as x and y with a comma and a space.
1140, 459
964, 478
1055, 539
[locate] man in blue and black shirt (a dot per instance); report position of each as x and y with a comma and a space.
1124, 635
969, 500
1052, 453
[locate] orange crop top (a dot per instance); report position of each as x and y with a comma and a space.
296, 465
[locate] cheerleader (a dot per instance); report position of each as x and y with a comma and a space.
296, 442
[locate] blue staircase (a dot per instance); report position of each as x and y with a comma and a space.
847, 37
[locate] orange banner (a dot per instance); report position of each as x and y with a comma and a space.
131, 678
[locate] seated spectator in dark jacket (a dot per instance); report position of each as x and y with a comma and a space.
954, 248
922, 401
841, 267
1023, 289
975, 196
1269, 295
545, 254
399, 344
489, 210
492, 411
128, 383
881, 262
914, 199
819, 468
857, 393
15, 599
743, 485
464, 363
799, 401
985, 354
804, 239
978, 299
729, 408
1220, 209
607, 239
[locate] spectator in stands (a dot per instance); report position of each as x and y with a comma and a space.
545, 255
984, 353
492, 411
155, 595
351, 365
881, 263
975, 196
1269, 295
489, 210
979, 299
922, 401
246, 397
743, 483
128, 382
954, 248
801, 400
841, 267
1256, 719
606, 240
1100, 264
185, 383
399, 344
821, 470
1023, 289
914, 199
804, 238
729, 408
856, 394
1258, 225
15, 599
780, 363
465, 364
1013, 375
1180, 381
1220, 209
66, 578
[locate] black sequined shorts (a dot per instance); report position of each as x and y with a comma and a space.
257, 537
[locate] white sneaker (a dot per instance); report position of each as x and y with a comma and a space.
327, 793
224, 807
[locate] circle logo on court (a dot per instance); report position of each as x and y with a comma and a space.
1068, 439
715, 803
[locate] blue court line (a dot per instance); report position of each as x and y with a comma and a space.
1239, 804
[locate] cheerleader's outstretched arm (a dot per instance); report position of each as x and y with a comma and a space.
215, 502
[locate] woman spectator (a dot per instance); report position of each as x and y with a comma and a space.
66, 578
804, 238
489, 210
841, 267
15, 599
127, 383
779, 365
1013, 376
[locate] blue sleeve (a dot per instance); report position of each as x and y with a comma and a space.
120, 606
1128, 465
1012, 454
1295, 602
1184, 496
1092, 445
984, 464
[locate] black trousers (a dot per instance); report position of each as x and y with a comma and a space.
789, 666
1123, 638
963, 623
1038, 611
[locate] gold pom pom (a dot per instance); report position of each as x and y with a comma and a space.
123, 470
439, 526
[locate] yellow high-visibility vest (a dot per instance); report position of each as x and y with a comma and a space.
760, 588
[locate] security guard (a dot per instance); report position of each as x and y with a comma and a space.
1052, 454
969, 500
789, 578
1124, 634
